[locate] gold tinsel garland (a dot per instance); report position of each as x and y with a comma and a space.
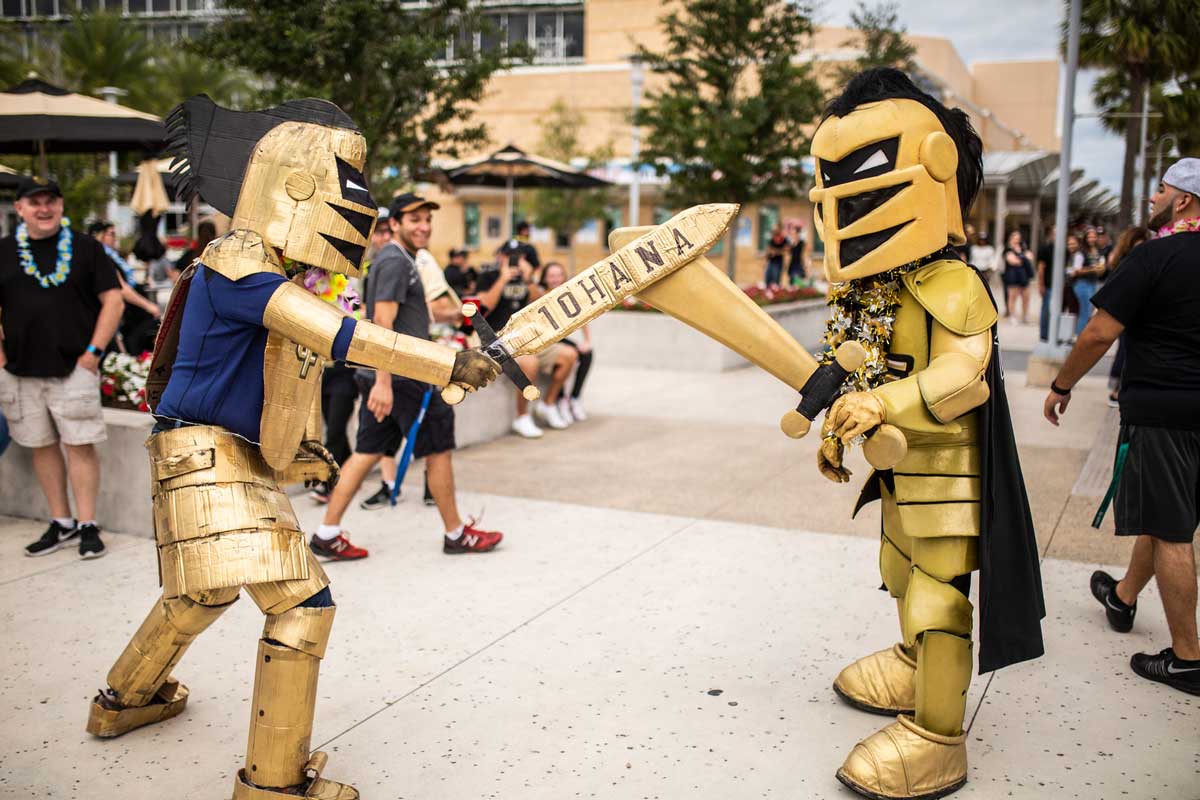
865, 310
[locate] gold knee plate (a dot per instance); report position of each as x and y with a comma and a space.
948, 557
160, 642
944, 666
276, 597
931, 605
303, 629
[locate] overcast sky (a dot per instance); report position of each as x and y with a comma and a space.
994, 30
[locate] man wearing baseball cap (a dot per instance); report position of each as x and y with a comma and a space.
1154, 298
61, 304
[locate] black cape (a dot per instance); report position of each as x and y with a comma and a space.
1011, 603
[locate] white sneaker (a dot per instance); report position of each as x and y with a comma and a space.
577, 409
564, 410
549, 415
525, 426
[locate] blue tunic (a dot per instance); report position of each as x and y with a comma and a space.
217, 378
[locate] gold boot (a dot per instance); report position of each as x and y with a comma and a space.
881, 683
314, 788
107, 719
906, 762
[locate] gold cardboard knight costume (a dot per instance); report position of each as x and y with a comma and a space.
235, 377
896, 172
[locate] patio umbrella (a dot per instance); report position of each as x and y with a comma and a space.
38, 118
9, 177
512, 168
149, 201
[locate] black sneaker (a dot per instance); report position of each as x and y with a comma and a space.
320, 493
429, 501
90, 545
1166, 668
381, 499
1104, 589
54, 537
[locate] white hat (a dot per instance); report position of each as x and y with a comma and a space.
1184, 174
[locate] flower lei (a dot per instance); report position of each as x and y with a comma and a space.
865, 310
1189, 225
332, 287
62, 265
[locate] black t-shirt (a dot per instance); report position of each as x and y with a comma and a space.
513, 297
1045, 255
1156, 295
516, 247
47, 330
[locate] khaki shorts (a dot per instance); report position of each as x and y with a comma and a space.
547, 357
41, 411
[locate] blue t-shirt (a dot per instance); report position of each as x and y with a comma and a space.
217, 378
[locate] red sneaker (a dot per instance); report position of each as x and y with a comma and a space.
338, 549
473, 540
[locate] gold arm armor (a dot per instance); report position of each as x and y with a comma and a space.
299, 316
960, 347
240, 253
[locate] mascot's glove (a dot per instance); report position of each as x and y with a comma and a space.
852, 415
323, 465
829, 458
473, 370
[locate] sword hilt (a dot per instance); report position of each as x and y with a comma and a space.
494, 349
885, 445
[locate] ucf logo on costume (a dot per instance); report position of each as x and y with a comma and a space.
896, 173
235, 375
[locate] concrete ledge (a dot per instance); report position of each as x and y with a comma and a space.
652, 340
124, 501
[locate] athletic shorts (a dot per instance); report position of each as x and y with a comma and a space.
1158, 492
386, 438
41, 411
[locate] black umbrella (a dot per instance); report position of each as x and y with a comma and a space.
512, 168
38, 118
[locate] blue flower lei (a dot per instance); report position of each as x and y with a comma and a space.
62, 266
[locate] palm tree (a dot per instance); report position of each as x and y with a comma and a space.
182, 73
1147, 41
102, 49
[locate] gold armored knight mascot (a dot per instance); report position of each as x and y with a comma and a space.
233, 385
896, 172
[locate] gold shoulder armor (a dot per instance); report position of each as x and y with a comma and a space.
953, 295
240, 253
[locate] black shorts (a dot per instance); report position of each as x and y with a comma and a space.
437, 431
1158, 493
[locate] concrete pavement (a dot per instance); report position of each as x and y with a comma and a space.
676, 591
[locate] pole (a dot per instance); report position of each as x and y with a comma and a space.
508, 204
635, 147
1141, 181
1050, 349
110, 95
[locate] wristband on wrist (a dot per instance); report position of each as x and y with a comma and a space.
92, 349
1054, 387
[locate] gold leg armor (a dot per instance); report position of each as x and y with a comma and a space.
140, 688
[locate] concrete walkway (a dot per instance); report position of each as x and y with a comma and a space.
675, 594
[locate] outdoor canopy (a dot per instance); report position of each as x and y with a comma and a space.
37, 118
512, 168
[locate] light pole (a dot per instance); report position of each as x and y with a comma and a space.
1140, 186
1172, 153
110, 94
635, 146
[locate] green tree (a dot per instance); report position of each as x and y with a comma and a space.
727, 119
565, 210
182, 73
1145, 42
880, 36
382, 61
102, 49
12, 65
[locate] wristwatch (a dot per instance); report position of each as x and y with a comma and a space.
96, 351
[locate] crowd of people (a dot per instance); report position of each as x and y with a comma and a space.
789, 245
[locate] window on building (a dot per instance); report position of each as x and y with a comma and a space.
471, 224
12, 8
562, 240
162, 6
661, 214
137, 6
45, 8
768, 218
572, 34
552, 34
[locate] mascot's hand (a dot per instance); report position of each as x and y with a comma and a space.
830, 452
313, 451
473, 370
853, 414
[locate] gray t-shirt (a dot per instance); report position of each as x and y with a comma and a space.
393, 277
